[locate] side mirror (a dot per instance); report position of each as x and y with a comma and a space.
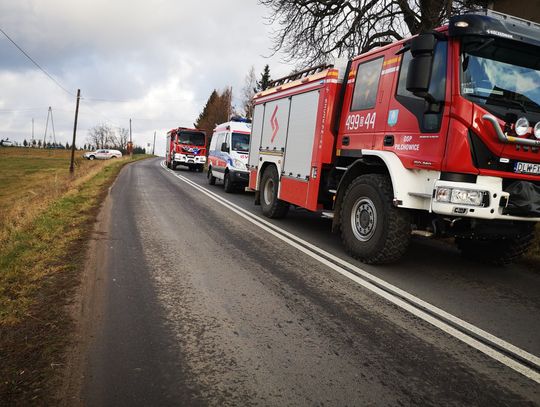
224, 147
419, 74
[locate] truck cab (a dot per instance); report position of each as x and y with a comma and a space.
229, 153
453, 118
186, 147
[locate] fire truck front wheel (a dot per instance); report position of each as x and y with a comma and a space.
373, 230
272, 207
497, 252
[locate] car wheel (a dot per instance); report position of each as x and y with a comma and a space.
373, 230
228, 185
272, 207
91, 157
211, 178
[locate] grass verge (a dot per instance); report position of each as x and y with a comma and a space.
40, 261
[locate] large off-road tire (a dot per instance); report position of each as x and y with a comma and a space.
272, 207
211, 178
497, 252
228, 185
373, 230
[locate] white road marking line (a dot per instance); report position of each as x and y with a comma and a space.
395, 295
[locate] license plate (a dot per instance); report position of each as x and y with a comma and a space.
527, 168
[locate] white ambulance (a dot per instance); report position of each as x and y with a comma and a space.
228, 154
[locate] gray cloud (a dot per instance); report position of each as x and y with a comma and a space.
154, 61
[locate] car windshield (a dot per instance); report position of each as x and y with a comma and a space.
495, 73
191, 137
240, 142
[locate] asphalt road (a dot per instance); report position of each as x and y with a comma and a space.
201, 306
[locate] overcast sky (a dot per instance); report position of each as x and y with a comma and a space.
155, 61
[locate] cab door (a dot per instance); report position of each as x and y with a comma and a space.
415, 129
366, 100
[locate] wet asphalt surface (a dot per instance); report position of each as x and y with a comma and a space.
201, 307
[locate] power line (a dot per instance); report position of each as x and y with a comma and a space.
92, 99
36, 64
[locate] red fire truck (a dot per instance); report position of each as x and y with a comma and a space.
186, 147
436, 135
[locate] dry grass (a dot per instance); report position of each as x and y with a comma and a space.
30, 179
46, 217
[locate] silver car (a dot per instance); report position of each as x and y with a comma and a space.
102, 154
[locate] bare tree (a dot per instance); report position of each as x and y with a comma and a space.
248, 91
315, 31
120, 139
100, 136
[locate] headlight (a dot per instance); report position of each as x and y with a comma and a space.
537, 130
239, 164
521, 126
443, 194
460, 196
467, 197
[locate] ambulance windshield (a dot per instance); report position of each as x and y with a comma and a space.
191, 137
240, 142
495, 73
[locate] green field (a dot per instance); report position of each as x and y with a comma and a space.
46, 216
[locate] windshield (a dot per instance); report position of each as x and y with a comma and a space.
240, 142
496, 75
191, 137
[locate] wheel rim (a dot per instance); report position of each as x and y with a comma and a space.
363, 219
268, 194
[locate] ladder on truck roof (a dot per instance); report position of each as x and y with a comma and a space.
299, 75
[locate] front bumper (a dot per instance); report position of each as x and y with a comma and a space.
494, 207
239, 177
189, 159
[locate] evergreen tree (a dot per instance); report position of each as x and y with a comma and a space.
217, 110
265, 79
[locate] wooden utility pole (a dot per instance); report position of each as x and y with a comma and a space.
71, 168
130, 142
154, 146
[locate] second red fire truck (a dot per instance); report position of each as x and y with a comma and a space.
434, 135
186, 147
